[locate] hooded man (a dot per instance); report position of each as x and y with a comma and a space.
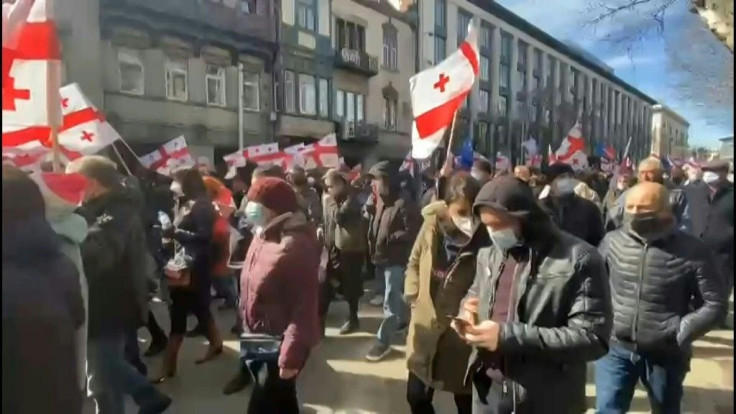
711, 210
307, 196
570, 212
393, 222
655, 269
538, 311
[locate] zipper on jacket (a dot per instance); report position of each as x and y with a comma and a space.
642, 267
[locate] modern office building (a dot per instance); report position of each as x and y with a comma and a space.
374, 53
163, 68
532, 84
669, 132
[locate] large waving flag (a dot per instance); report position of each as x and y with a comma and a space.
170, 157
438, 92
85, 129
572, 149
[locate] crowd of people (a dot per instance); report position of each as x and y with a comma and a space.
507, 283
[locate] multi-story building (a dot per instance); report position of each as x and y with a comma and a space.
725, 152
304, 69
669, 132
531, 84
165, 68
373, 47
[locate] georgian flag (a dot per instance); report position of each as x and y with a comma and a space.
323, 153
503, 163
438, 92
84, 129
265, 154
169, 158
572, 149
62, 193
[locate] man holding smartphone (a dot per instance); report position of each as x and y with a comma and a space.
538, 311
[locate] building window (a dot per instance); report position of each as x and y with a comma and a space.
440, 49
504, 75
486, 35
350, 35
521, 64
535, 112
176, 79
537, 73
350, 106
485, 100
505, 68
248, 6
440, 13
307, 18
130, 66
506, 40
251, 91
503, 106
307, 95
215, 83
324, 98
483, 136
359, 108
463, 21
289, 98
339, 104
485, 68
550, 70
389, 114
390, 48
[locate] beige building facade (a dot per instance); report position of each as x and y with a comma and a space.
669, 133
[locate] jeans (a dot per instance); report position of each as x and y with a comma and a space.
420, 398
111, 376
395, 310
133, 352
271, 394
617, 373
226, 286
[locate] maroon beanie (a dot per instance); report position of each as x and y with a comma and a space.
274, 194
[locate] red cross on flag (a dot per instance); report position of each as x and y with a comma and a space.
438, 92
170, 157
84, 129
265, 154
572, 149
323, 153
31, 65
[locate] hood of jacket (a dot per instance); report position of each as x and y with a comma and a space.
72, 227
288, 223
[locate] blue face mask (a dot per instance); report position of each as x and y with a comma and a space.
504, 239
255, 214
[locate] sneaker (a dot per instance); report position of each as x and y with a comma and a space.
349, 327
378, 352
376, 301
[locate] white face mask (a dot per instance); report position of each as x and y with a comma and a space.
565, 186
477, 175
176, 189
709, 177
255, 214
464, 224
504, 239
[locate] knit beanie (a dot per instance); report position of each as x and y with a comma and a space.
274, 194
62, 193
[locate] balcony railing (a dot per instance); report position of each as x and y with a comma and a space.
356, 60
212, 13
359, 131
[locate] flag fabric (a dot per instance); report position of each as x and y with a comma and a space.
534, 160
438, 92
407, 164
530, 146
265, 154
84, 129
169, 158
62, 193
503, 162
572, 149
29, 161
467, 155
605, 152
31, 66
551, 157
323, 153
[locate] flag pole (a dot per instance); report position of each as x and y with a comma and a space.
451, 138
55, 150
120, 157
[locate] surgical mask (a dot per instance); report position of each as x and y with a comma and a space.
310, 181
464, 224
477, 175
565, 186
620, 185
255, 214
645, 225
176, 189
709, 177
504, 239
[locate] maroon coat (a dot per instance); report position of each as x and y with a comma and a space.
279, 286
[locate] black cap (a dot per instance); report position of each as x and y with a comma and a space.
556, 170
508, 194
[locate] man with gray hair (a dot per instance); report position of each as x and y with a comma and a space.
651, 170
116, 263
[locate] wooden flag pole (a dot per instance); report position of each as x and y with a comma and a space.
55, 150
122, 161
451, 138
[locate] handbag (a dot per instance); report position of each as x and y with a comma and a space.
260, 347
177, 270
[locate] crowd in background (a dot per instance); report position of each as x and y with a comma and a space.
507, 284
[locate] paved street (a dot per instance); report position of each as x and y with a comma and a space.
338, 380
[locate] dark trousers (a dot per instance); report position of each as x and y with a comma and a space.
493, 397
617, 373
271, 394
345, 269
420, 398
157, 334
133, 353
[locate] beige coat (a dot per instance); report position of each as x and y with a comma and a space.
435, 354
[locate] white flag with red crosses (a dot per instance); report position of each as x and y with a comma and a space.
85, 129
169, 158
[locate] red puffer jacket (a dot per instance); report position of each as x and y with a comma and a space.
279, 286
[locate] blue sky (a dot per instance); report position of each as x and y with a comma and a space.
680, 63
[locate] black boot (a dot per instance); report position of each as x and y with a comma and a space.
157, 347
238, 383
351, 326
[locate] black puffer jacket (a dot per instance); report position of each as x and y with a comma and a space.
652, 286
